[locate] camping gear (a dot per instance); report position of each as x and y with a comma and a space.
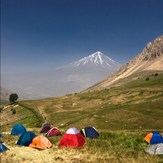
155, 149
40, 142
89, 132
3, 147
26, 138
153, 138
72, 138
18, 129
53, 132
45, 128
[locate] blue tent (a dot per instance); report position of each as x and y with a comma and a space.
156, 138
26, 138
89, 132
18, 129
3, 147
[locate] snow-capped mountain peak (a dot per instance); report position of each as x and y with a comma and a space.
97, 58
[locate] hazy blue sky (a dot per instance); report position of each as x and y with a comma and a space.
43, 34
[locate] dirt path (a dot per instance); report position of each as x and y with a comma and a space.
42, 113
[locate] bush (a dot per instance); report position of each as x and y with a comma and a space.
156, 74
13, 97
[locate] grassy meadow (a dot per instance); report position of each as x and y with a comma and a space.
123, 115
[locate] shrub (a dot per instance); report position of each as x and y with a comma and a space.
13, 97
156, 74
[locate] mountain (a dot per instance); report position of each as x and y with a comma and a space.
67, 79
97, 59
149, 60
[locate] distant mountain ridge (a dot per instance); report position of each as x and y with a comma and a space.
67, 79
95, 59
150, 59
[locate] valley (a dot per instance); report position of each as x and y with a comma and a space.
123, 115
123, 108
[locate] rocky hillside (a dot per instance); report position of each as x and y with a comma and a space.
150, 53
150, 59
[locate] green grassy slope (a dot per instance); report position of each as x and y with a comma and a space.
137, 105
19, 113
123, 115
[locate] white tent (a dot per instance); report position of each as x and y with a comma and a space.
155, 149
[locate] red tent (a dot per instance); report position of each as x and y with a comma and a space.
53, 132
72, 138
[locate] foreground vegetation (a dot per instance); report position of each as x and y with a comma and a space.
109, 147
123, 115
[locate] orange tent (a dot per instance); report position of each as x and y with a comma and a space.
40, 142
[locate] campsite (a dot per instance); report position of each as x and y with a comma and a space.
123, 116
81, 81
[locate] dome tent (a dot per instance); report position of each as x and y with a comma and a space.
89, 132
26, 138
46, 127
18, 129
72, 138
53, 132
40, 142
155, 149
153, 138
3, 147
